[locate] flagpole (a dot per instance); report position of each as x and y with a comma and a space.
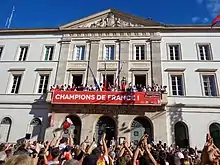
11, 17
105, 76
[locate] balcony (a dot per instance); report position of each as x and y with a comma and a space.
107, 98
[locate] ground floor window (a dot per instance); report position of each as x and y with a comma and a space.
214, 130
181, 135
35, 129
5, 129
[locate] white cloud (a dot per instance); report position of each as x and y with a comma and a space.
197, 19
213, 6
199, 1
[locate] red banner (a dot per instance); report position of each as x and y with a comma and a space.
104, 97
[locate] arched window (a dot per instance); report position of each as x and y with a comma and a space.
35, 129
181, 135
214, 130
5, 129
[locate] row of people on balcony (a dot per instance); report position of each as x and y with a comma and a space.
110, 87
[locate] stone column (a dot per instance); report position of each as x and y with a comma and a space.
124, 58
62, 63
93, 60
156, 60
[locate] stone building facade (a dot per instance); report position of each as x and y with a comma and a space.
114, 45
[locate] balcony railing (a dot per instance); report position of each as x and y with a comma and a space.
107, 98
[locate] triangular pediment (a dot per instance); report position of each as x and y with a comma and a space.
110, 18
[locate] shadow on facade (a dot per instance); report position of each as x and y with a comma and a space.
175, 115
40, 109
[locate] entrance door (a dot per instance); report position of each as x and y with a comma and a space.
139, 127
106, 125
181, 135
75, 128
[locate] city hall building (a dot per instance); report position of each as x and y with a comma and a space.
116, 46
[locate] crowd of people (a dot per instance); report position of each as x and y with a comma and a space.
62, 151
110, 87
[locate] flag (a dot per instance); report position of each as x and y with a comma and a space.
216, 20
94, 79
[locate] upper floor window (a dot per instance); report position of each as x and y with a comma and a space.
205, 52
23, 50
43, 83
79, 52
48, 56
109, 53
1, 51
16, 83
209, 85
174, 52
177, 85
139, 52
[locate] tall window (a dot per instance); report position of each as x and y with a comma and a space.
43, 84
205, 52
139, 52
109, 52
209, 85
23, 53
79, 52
1, 51
174, 52
177, 85
48, 53
16, 83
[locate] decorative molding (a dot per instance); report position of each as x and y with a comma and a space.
109, 65
109, 21
175, 69
77, 66
16, 69
44, 69
205, 70
90, 34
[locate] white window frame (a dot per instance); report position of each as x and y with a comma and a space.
203, 87
171, 86
2, 50
109, 51
19, 52
135, 55
204, 53
174, 55
80, 51
50, 55
40, 75
12, 83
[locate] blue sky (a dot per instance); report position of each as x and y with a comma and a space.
52, 13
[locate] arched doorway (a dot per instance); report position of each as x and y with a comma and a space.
35, 128
139, 127
214, 130
181, 134
107, 125
5, 129
76, 128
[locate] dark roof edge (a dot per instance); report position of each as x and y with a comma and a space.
165, 28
